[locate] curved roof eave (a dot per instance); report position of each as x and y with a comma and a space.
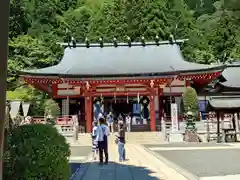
231, 74
151, 60
157, 74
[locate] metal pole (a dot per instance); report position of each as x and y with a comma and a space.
4, 18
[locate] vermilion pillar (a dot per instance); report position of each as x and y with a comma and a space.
88, 113
152, 113
160, 105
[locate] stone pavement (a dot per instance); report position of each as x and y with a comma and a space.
210, 161
141, 165
79, 153
159, 160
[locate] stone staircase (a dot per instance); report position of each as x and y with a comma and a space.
144, 138
131, 138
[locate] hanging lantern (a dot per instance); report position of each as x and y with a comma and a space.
127, 98
138, 98
115, 100
101, 98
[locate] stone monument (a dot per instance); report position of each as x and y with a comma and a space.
175, 135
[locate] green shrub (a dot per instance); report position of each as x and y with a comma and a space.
36, 152
51, 108
190, 102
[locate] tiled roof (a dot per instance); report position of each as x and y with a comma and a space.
137, 60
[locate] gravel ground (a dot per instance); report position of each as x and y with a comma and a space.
205, 163
176, 145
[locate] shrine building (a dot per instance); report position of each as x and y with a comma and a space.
141, 78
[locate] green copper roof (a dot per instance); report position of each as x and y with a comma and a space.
231, 74
110, 61
224, 102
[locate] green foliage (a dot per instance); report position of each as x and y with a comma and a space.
24, 93
27, 52
190, 101
36, 152
51, 108
32, 95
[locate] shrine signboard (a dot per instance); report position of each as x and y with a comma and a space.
174, 117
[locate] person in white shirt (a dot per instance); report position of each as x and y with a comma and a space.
94, 142
102, 139
128, 123
110, 121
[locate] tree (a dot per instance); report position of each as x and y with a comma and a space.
190, 102
26, 52
201, 7
221, 33
51, 108
109, 22
18, 23
155, 20
180, 19
77, 21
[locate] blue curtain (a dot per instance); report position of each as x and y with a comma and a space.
202, 104
98, 110
136, 108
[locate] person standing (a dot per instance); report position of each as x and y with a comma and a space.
128, 122
121, 142
102, 139
94, 142
110, 122
120, 119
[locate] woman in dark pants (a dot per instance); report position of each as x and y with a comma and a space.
121, 142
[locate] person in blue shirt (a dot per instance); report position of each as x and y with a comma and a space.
110, 122
102, 139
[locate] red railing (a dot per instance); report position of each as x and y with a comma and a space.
64, 120
61, 120
38, 120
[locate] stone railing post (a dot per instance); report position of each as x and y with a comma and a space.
163, 125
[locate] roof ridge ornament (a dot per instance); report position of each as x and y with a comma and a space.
101, 42
129, 40
143, 41
115, 42
87, 42
74, 43
157, 40
171, 39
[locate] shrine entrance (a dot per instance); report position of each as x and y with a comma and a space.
119, 105
122, 108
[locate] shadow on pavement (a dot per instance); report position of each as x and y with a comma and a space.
111, 171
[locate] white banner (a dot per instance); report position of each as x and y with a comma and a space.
25, 107
15, 105
174, 117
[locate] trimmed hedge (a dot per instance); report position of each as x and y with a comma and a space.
36, 152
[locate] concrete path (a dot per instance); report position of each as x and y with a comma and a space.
141, 165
